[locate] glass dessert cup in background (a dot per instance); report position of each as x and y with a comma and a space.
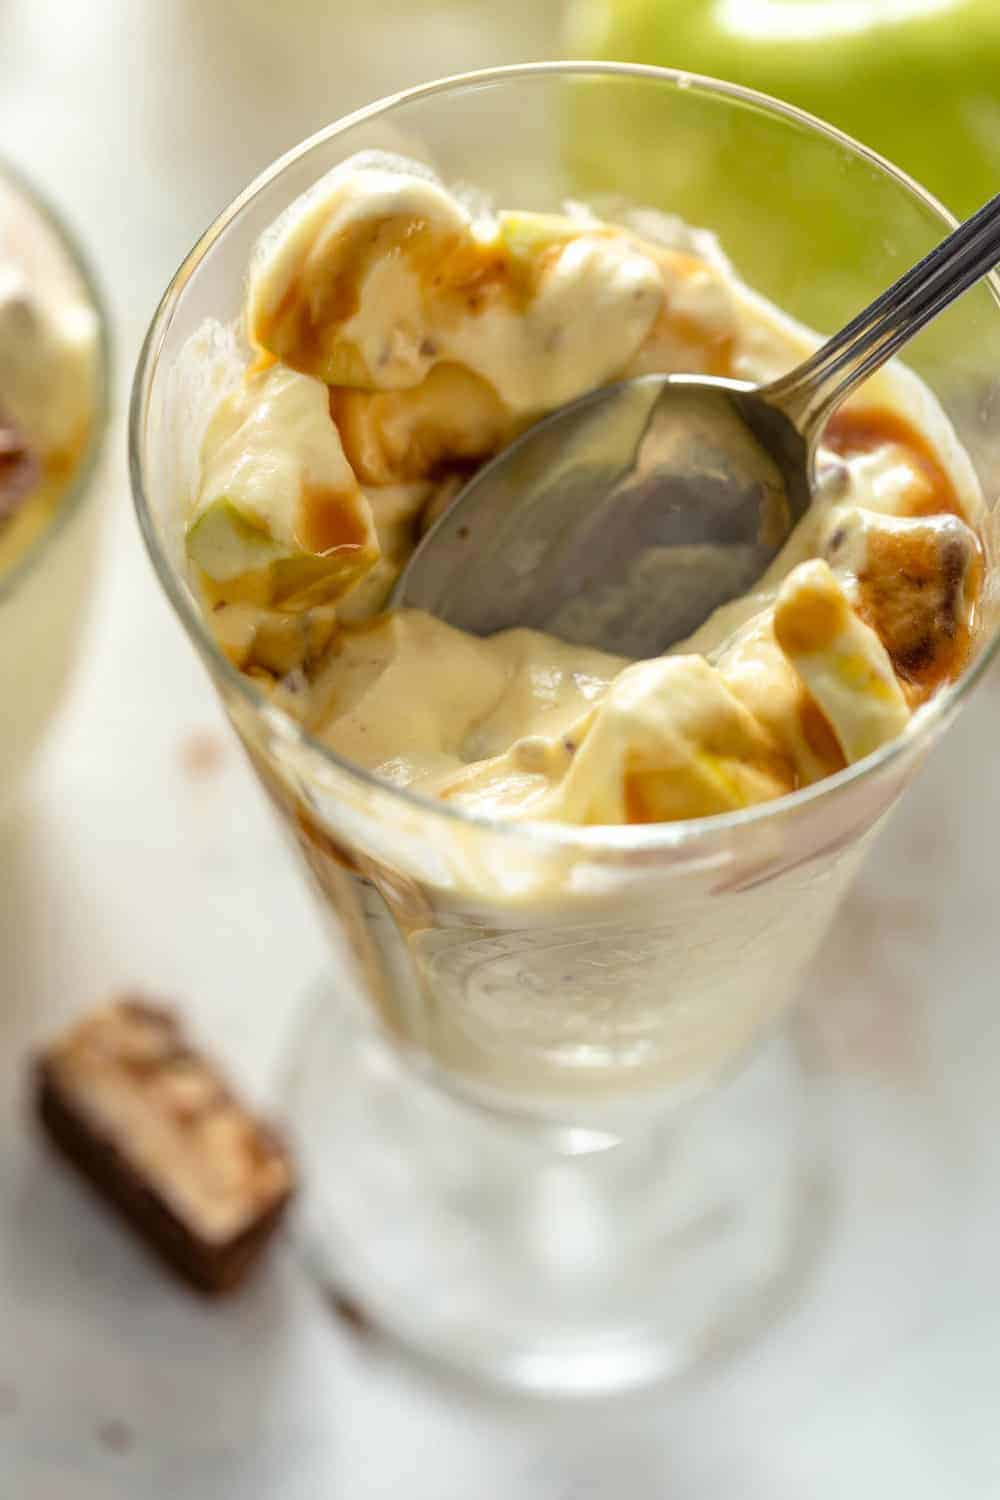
43, 589
538, 1142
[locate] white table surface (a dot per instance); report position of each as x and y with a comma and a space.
142, 857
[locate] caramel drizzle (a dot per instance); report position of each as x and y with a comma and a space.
925, 658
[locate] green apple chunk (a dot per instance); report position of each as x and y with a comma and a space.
917, 81
279, 518
239, 562
525, 234
225, 545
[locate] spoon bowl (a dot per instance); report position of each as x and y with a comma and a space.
621, 520
624, 519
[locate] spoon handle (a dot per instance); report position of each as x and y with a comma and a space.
811, 391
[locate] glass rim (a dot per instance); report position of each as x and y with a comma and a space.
72, 498
586, 839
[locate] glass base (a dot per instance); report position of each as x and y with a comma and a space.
561, 1263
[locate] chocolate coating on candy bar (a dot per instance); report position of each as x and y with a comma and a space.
19, 468
153, 1127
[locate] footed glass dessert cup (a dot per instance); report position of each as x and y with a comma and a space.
552, 1131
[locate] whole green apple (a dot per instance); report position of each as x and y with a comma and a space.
917, 80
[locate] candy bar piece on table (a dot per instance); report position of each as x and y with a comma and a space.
152, 1126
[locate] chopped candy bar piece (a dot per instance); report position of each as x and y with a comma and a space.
152, 1126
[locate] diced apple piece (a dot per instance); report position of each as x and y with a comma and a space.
526, 234
275, 640
226, 544
279, 518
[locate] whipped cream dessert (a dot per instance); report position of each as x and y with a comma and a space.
395, 335
47, 351
49, 374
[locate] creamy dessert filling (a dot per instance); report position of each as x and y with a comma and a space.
394, 337
47, 354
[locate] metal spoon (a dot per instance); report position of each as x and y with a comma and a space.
625, 518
